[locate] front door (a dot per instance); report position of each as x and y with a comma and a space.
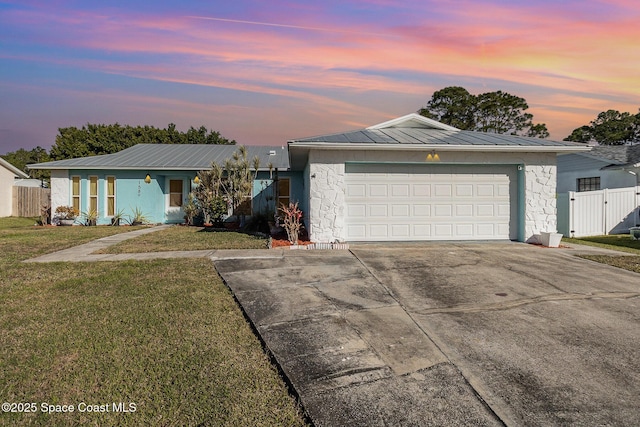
174, 199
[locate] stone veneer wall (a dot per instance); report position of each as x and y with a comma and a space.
326, 178
60, 189
540, 199
327, 201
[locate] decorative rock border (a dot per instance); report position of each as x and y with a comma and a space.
313, 246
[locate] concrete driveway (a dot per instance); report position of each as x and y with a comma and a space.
448, 333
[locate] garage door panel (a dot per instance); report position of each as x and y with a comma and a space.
400, 210
485, 211
401, 230
485, 190
485, 230
465, 230
357, 232
378, 190
503, 190
357, 211
356, 190
464, 190
421, 211
464, 210
400, 190
502, 229
378, 211
421, 190
421, 231
443, 230
504, 210
445, 202
380, 231
442, 211
442, 190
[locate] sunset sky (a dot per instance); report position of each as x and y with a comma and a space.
266, 72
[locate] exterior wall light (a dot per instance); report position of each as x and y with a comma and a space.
147, 179
196, 180
433, 157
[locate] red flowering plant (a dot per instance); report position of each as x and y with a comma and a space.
291, 221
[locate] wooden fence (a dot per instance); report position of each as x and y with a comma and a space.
28, 201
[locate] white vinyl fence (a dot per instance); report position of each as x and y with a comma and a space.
593, 213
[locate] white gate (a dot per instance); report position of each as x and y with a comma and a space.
592, 213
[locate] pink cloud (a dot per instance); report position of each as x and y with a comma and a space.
307, 57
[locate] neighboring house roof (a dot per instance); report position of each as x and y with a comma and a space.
13, 169
172, 157
618, 156
415, 132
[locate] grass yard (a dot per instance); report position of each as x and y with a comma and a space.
164, 335
618, 242
180, 238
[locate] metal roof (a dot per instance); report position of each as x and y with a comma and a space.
172, 157
430, 137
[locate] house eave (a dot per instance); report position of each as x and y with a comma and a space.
128, 168
437, 147
13, 169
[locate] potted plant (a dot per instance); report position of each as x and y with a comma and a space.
117, 217
67, 214
90, 217
138, 217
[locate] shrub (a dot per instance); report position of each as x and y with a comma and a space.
67, 212
291, 221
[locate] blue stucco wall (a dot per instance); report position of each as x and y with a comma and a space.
132, 192
264, 191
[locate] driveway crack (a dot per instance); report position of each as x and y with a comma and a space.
506, 305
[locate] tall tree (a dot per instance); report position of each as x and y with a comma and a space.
500, 112
497, 112
97, 139
610, 127
581, 134
21, 158
538, 130
453, 106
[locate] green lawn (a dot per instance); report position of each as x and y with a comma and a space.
619, 242
180, 238
166, 336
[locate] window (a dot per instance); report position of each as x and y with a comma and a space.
175, 192
111, 195
589, 184
75, 192
284, 193
93, 194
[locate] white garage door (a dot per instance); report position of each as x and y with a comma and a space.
387, 202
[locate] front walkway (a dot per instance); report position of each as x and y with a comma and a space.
84, 253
